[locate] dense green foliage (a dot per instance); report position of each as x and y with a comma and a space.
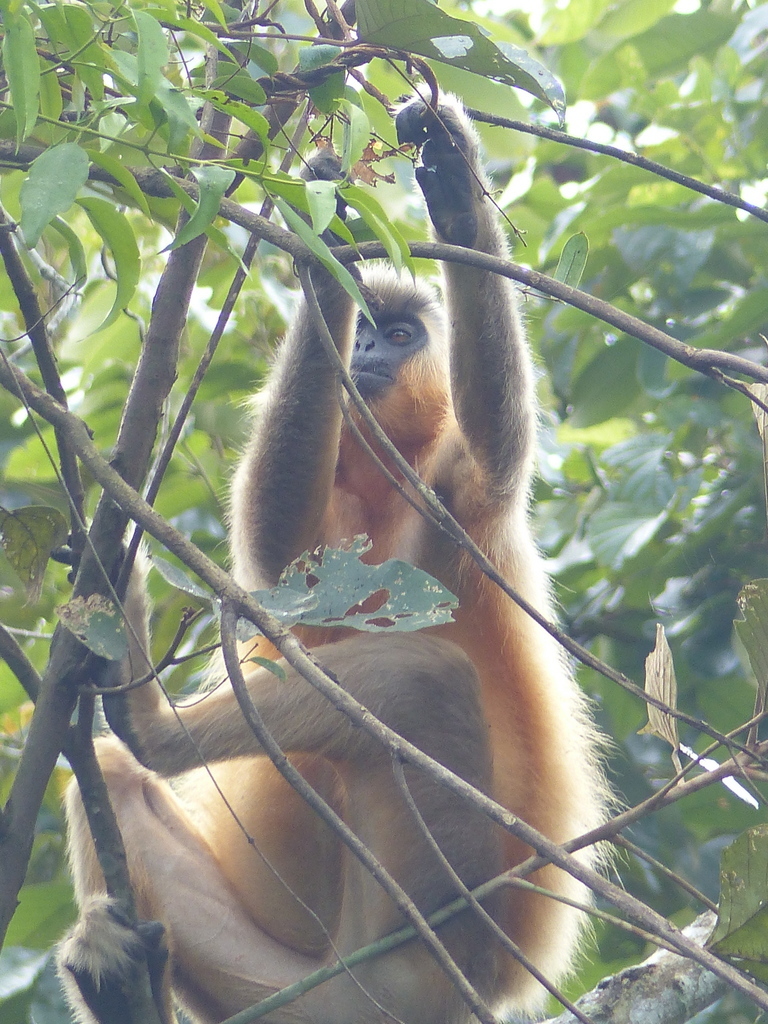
650, 502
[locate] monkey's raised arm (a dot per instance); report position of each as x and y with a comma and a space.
283, 483
491, 371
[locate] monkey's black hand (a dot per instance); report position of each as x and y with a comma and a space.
104, 955
447, 176
324, 165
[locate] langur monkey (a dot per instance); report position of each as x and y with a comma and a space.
257, 892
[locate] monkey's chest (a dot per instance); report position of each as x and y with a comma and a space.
386, 518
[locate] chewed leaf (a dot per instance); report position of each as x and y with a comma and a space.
417, 26
742, 928
98, 623
338, 589
28, 535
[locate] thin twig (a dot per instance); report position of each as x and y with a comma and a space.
553, 135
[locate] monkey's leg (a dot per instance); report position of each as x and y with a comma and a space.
220, 961
427, 691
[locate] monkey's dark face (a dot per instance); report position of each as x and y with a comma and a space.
380, 352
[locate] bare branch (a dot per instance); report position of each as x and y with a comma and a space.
720, 195
664, 989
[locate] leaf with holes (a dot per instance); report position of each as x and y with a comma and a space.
28, 535
417, 26
346, 592
742, 928
98, 623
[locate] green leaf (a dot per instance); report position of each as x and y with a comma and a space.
271, 666
45, 909
22, 67
90, 62
152, 55
294, 190
355, 136
742, 927
607, 385
250, 118
97, 623
258, 57
323, 253
380, 224
311, 57
321, 196
328, 95
179, 579
573, 260
619, 530
240, 84
28, 535
215, 8
188, 203
417, 26
123, 176
176, 112
51, 100
50, 188
76, 251
667, 47
393, 596
117, 233
633, 17
213, 181
196, 28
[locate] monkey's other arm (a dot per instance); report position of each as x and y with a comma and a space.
491, 371
283, 483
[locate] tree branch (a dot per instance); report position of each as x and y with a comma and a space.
664, 989
720, 195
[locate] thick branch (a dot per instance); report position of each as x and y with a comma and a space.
664, 989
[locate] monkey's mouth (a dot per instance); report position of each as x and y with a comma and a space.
372, 381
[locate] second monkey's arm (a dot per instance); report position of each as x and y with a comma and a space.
491, 370
284, 481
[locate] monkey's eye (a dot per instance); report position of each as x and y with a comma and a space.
399, 334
